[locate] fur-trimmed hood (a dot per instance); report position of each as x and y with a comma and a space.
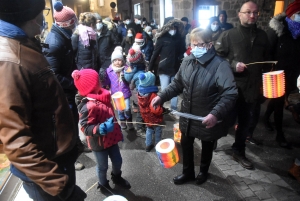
175, 22
110, 26
278, 24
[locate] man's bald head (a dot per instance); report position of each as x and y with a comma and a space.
248, 14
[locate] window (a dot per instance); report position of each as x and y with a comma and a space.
205, 12
137, 9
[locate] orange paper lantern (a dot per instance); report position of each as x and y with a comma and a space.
274, 84
177, 133
119, 101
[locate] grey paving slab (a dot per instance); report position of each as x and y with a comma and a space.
263, 195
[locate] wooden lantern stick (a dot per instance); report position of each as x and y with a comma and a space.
134, 122
262, 62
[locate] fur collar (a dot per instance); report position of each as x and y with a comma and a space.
277, 23
175, 22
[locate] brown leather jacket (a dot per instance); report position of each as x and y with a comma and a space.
36, 125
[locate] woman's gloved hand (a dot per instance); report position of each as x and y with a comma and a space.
107, 126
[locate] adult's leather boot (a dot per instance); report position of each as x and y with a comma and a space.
240, 157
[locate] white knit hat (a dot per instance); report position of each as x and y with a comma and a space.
117, 54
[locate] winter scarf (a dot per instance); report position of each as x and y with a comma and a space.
294, 27
86, 34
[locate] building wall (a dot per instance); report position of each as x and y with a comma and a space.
104, 11
188, 8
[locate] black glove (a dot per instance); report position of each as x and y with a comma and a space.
123, 78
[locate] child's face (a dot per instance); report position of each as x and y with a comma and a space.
118, 62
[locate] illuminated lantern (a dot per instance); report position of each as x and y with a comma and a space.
274, 84
119, 101
167, 153
177, 133
115, 198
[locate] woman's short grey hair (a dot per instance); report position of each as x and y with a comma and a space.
202, 34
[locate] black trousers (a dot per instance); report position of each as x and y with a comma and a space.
246, 122
276, 105
187, 144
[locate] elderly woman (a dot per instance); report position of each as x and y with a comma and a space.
209, 90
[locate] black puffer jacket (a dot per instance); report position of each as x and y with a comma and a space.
247, 45
60, 56
284, 49
105, 46
86, 57
169, 48
208, 87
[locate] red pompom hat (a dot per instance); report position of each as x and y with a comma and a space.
292, 8
63, 15
139, 38
86, 81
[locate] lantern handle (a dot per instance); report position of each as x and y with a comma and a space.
262, 62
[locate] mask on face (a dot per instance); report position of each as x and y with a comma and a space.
198, 51
127, 21
149, 33
152, 24
172, 32
99, 26
297, 18
214, 27
129, 35
138, 21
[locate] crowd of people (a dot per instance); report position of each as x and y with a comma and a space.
64, 79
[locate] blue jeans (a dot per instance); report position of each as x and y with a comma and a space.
102, 162
125, 114
165, 80
157, 130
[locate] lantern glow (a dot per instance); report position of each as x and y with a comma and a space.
119, 101
167, 153
273, 84
177, 133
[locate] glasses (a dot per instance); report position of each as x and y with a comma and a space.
46, 11
199, 45
248, 13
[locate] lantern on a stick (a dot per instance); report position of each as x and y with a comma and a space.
119, 101
273, 84
167, 153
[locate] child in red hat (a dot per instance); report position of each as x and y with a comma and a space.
97, 121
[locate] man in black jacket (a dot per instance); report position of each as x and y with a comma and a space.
60, 56
242, 45
223, 21
136, 25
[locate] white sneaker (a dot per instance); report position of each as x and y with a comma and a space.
78, 165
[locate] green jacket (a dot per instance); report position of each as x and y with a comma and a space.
247, 45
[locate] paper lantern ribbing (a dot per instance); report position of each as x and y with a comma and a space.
177, 133
274, 84
119, 101
115, 198
167, 153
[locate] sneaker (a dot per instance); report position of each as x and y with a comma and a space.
280, 139
78, 166
123, 124
242, 160
141, 133
149, 148
252, 141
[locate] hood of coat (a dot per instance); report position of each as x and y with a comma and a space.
110, 26
278, 24
167, 27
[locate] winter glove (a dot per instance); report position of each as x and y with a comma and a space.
123, 78
107, 126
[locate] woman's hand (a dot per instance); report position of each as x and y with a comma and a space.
210, 121
155, 102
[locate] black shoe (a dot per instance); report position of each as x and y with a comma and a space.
149, 148
282, 141
118, 180
252, 141
183, 178
201, 178
242, 160
105, 189
268, 125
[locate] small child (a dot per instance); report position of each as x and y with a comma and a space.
116, 81
146, 92
96, 118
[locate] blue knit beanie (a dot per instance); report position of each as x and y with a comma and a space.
147, 79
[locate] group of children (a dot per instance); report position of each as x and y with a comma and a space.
96, 112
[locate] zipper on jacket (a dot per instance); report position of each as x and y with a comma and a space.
54, 132
163, 59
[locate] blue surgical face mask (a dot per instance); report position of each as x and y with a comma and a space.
214, 27
297, 18
99, 26
198, 51
172, 32
129, 35
149, 33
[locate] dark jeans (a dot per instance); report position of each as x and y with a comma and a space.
187, 144
254, 112
246, 121
276, 105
